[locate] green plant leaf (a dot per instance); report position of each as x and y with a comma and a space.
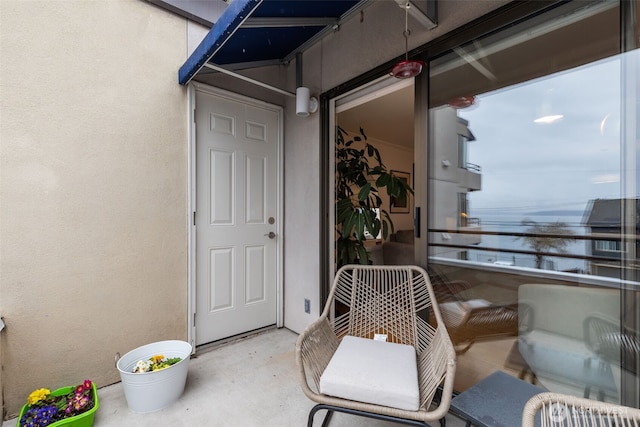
369, 216
343, 209
376, 155
352, 253
386, 220
363, 255
375, 227
383, 180
359, 225
364, 192
349, 223
370, 150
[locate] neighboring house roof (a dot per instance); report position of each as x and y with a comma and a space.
607, 212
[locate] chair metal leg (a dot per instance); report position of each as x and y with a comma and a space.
331, 409
312, 414
327, 418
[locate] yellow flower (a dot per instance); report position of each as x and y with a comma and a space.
157, 358
38, 395
159, 367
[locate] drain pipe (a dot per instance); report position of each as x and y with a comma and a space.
298, 69
2, 411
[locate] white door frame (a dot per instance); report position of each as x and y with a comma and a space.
191, 202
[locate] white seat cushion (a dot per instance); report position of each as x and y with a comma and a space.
456, 313
377, 372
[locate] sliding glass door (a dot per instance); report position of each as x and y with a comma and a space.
533, 199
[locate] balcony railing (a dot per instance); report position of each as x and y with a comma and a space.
473, 167
587, 238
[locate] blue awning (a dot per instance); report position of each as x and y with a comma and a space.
254, 33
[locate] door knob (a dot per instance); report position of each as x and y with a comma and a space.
271, 235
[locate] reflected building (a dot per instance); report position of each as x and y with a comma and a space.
453, 177
603, 218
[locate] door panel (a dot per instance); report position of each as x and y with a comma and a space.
222, 182
221, 277
256, 197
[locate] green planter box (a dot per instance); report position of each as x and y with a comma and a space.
83, 420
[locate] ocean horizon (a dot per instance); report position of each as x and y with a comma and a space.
511, 222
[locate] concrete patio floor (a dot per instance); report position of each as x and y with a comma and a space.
248, 382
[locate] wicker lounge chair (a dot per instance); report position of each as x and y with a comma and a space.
471, 320
612, 342
561, 410
391, 300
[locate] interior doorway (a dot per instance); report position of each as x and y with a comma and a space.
384, 112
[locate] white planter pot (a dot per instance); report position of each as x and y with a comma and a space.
152, 391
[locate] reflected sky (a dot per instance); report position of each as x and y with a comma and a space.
528, 166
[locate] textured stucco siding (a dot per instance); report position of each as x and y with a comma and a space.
93, 188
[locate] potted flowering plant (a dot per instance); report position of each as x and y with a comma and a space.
154, 375
67, 406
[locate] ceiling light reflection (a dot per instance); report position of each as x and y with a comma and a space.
605, 179
546, 120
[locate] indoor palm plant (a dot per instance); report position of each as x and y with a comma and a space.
360, 175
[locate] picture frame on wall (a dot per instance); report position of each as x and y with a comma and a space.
401, 205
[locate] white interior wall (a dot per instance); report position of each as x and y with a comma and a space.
396, 158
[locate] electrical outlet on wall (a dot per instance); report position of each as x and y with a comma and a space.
307, 306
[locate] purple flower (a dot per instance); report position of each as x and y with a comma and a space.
39, 416
45, 415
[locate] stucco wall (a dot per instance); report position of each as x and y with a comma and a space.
92, 188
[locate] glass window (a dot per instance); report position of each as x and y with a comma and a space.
534, 230
607, 245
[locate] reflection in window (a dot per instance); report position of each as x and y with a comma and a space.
547, 103
463, 216
548, 149
607, 246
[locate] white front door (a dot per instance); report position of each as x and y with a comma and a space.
237, 214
